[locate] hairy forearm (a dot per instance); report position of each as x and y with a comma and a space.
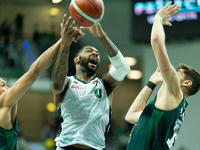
60, 68
111, 49
46, 59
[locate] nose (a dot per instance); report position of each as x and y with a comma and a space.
95, 53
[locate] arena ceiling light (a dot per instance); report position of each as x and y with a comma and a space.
54, 11
56, 1
134, 75
51, 107
131, 61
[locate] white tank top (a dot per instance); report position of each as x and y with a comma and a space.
85, 113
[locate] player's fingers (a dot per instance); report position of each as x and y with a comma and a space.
85, 28
78, 34
168, 24
64, 18
68, 22
175, 10
167, 4
71, 27
172, 6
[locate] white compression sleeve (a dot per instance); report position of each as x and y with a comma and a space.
120, 67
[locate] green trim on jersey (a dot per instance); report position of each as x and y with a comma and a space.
109, 123
81, 80
61, 120
59, 109
8, 138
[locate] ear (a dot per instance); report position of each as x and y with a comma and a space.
187, 83
76, 60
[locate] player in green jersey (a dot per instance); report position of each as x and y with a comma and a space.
157, 125
9, 96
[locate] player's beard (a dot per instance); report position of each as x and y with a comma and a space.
85, 64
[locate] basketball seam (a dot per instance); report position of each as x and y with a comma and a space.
94, 8
85, 15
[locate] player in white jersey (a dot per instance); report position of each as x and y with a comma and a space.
83, 100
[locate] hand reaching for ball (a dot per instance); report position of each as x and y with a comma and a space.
69, 33
96, 30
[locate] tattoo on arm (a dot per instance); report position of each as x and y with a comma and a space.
60, 68
109, 46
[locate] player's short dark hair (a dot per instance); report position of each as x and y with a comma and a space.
78, 52
193, 75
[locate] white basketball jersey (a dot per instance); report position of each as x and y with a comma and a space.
85, 113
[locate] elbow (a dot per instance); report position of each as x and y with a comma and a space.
126, 118
154, 39
157, 40
57, 87
34, 71
132, 117
129, 119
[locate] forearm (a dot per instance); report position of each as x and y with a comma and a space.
110, 47
160, 52
139, 104
157, 33
140, 101
46, 59
120, 67
60, 69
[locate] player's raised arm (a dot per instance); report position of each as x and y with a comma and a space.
168, 72
139, 103
69, 33
11, 96
120, 67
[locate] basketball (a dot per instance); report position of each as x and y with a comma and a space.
86, 13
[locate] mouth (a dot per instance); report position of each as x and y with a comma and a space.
93, 62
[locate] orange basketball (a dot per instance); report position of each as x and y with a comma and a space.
86, 12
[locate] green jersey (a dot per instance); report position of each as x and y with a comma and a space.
8, 138
157, 129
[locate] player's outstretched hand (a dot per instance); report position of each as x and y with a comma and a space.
69, 33
96, 30
166, 12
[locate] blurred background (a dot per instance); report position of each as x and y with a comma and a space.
29, 27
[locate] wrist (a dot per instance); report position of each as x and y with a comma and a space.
102, 36
151, 85
159, 17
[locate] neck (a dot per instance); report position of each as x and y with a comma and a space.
83, 76
185, 93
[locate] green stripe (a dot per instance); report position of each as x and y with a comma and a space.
83, 81
11, 141
153, 125
109, 123
61, 120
